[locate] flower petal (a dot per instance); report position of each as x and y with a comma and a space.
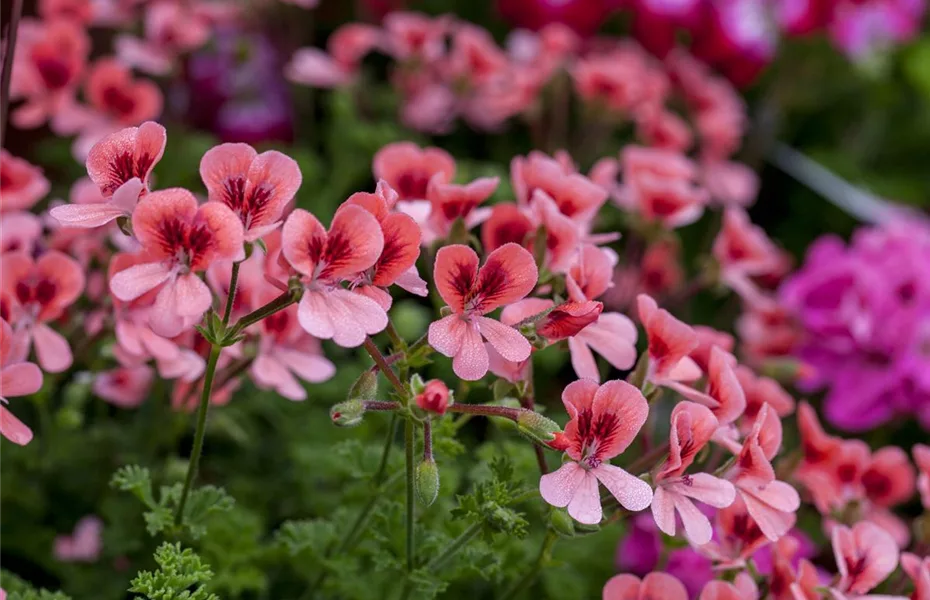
455, 272
582, 359
630, 409
353, 244
632, 492
663, 510
52, 349
508, 342
447, 334
558, 488
508, 274
613, 336
585, 506
401, 248
303, 238
20, 379
313, 313
135, 281
85, 215
471, 361
13, 429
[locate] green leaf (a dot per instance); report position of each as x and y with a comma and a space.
136, 480
314, 535
18, 589
181, 575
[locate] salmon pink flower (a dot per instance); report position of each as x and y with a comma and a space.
397, 263
323, 259
508, 274
414, 36
126, 387
562, 234
707, 338
670, 343
21, 184
604, 420
450, 202
576, 196
40, 291
120, 164
79, 11
179, 239
286, 350
257, 187
660, 185
569, 319
692, 428
408, 169
865, 556
653, 585
723, 395
742, 588
118, 97
506, 224
922, 458
743, 252
761, 390
770, 502
20, 232
50, 58
737, 538
730, 183
347, 46
84, 545
918, 569
16, 379
171, 29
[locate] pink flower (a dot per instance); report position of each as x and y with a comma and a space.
670, 343
562, 234
604, 421
743, 588
865, 556
84, 545
922, 458
21, 184
257, 187
761, 390
347, 46
179, 239
353, 244
115, 94
660, 186
170, 30
434, 398
506, 224
576, 196
16, 379
408, 169
79, 11
730, 183
707, 338
20, 232
39, 292
770, 502
286, 350
569, 319
397, 263
49, 61
617, 79
126, 387
509, 274
862, 29
743, 251
918, 569
412, 36
737, 538
120, 164
692, 427
450, 202
723, 395
653, 585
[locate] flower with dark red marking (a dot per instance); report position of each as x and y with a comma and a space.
670, 343
508, 274
434, 398
408, 169
604, 420
179, 239
257, 187
16, 379
324, 259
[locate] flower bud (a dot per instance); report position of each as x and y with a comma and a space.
567, 319
365, 387
348, 413
561, 523
426, 481
435, 397
537, 427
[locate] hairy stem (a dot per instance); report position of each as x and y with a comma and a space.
411, 501
12, 29
384, 366
487, 410
231, 299
380, 405
427, 440
199, 432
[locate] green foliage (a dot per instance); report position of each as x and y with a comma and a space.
181, 575
18, 589
490, 500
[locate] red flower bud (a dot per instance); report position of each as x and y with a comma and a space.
567, 319
434, 398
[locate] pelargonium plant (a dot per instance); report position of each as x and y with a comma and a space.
165, 347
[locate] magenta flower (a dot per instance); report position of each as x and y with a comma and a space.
21, 185
84, 545
38, 293
604, 421
324, 259
120, 164
16, 379
257, 187
179, 239
692, 427
508, 274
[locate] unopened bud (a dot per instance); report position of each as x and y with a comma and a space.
426, 482
561, 523
537, 427
416, 384
365, 387
567, 319
435, 397
348, 413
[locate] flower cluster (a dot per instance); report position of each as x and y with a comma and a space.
864, 315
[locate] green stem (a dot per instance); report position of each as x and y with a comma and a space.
417, 345
545, 553
385, 368
411, 501
231, 298
280, 303
454, 546
199, 433
396, 340
7, 72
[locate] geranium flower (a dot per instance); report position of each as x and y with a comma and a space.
397, 263
82, 546
744, 251
16, 379
506, 224
347, 46
324, 259
653, 585
737, 538
742, 588
670, 343
660, 185
171, 29
508, 274
576, 196
723, 394
39, 292
922, 458
120, 164
707, 338
604, 421
918, 569
412, 36
408, 169
257, 187
179, 240
126, 387
865, 556
692, 427
21, 183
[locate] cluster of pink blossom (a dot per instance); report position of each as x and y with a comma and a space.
864, 315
